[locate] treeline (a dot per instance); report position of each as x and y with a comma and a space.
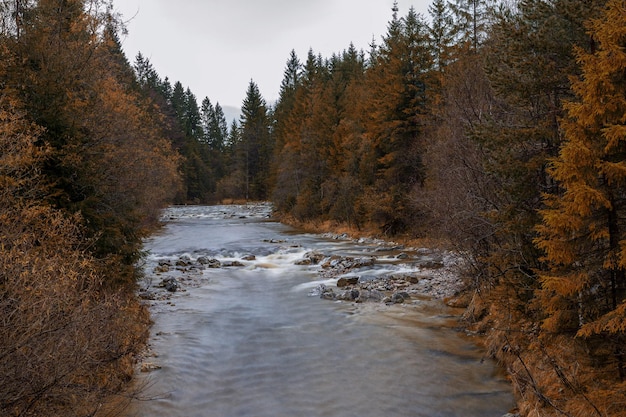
219, 162
499, 127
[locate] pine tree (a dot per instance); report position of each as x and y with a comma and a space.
219, 129
287, 120
584, 230
207, 112
471, 19
255, 148
178, 102
191, 116
398, 84
441, 33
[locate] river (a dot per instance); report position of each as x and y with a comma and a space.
251, 340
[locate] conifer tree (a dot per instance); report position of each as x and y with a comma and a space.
219, 129
441, 33
471, 19
191, 116
255, 146
281, 173
207, 112
584, 230
398, 84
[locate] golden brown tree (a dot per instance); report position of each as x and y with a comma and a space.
583, 233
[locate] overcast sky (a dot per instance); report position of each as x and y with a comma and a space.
215, 47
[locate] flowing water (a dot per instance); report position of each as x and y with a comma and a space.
250, 340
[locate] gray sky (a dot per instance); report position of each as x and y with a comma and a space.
215, 47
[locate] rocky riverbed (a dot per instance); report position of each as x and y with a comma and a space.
262, 278
415, 273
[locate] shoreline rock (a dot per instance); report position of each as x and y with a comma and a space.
436, 276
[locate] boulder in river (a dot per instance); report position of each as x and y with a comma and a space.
183, 261
370, 295
345, 281
213, 263
311, 258
232, 264
349, 295
170, 284
399, 297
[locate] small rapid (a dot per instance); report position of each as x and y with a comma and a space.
243, 335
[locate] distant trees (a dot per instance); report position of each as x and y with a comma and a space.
253, 149
349, 131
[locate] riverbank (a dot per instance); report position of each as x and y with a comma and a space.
440, 276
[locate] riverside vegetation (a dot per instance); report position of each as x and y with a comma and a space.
495, 129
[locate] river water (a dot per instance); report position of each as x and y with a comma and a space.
251, 341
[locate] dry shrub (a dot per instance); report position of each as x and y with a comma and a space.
65, 341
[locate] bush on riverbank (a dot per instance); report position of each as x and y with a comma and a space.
83, 175
67, 338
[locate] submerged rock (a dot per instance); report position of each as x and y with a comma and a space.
323, 292
349, 295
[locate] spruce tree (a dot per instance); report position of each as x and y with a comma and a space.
255, 146
471, 21
399, 88
441, 33
207, 112
584, 229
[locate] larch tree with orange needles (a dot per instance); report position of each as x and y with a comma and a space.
583, 232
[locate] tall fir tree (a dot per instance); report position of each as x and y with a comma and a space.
584, 232
255, 145
441, 33
399, 85
471, 22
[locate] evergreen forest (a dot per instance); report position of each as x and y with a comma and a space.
493, 128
